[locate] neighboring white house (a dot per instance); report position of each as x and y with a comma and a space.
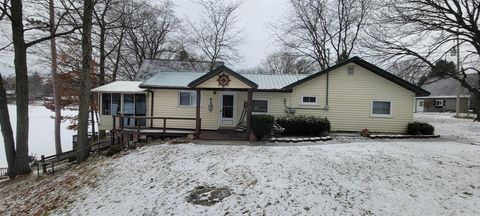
353, 95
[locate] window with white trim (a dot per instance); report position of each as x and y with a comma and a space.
187, 98
381, 108
260, 106
309, 100
439, 103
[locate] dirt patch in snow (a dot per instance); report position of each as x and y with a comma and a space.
208, 196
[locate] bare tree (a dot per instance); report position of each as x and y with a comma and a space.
286, 63
215, 33
314, 27
56, 94
426, 30
84, 103
14, 13
411, 69
146, 35
7, 131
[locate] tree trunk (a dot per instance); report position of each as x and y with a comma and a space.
92, 115
56, 93
7, 131
84, 102
21, 90
101, 133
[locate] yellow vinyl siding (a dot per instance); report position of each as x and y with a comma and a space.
350, 101
166, 104
276, 105
234, 83
351, 97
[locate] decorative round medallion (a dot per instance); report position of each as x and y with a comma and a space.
223, 80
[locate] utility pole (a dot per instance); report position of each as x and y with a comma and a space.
457, 104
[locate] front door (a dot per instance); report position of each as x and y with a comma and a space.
227, 111
420, 105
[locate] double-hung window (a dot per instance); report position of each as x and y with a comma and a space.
187, 98
381, 108
439, 103
260, 106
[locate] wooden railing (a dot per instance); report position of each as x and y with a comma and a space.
118, 123
3, 173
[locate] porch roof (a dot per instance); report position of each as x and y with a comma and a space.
120, 87
173, 79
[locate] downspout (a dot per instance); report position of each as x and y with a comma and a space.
326, 92
151, 107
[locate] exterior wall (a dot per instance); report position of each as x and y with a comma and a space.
276, 101
213, 83
449, 105
350, 100
166, 104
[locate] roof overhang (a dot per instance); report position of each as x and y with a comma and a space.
120, 87
217, 71
385, 74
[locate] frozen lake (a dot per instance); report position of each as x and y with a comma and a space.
41, 139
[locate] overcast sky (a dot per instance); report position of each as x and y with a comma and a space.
253, 16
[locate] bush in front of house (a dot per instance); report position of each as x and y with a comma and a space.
304, 125
420, 128
262, 125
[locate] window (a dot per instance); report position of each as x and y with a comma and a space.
187, 98
134, 105
439, 103
309, 100
350, 71
381, 108
110, 103
260, 106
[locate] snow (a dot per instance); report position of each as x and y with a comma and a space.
380, 178
41, 139
342, 177
120, 86
453, 128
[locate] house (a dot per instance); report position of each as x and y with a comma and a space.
443, 97
353, 95
10, 95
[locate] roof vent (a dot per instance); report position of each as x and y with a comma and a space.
350, 70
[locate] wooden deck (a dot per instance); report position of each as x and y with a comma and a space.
121, 134
204, 134
3, 173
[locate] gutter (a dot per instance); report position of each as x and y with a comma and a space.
291, 110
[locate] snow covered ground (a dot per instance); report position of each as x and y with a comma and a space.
453, 128
342, 177
369, 178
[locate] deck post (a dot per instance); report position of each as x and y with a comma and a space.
44, 167
197, 116
249, 112
112, 135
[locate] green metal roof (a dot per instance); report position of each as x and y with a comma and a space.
182, 79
